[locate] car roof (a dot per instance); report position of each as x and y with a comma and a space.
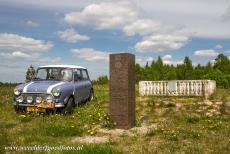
65, 66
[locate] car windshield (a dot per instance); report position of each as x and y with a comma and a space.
62, 74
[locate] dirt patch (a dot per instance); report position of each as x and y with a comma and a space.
91, 139
107, 135
112, 132
143, 130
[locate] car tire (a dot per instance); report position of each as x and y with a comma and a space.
68, 109
91, 95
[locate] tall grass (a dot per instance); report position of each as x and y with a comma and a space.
182, 130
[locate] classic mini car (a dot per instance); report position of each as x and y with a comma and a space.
55, 87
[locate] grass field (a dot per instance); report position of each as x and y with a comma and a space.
163, 125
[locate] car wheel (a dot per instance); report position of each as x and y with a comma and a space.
68, 109
91, 95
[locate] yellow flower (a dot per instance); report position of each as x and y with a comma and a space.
91, 133
22, 116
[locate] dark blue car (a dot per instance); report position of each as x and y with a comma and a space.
55, 87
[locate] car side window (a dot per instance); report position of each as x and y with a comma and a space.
77, 75
85, 75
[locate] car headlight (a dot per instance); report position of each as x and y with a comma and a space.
29, 99
56, 92
17, 91
20, 99
38, 99
49, 99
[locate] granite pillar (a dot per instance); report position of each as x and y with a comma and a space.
122, 90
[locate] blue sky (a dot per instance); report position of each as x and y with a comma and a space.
86, 32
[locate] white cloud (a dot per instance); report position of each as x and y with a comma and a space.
168, 59
226, 15
15, 54
205, 23
22, 43
219, 46
201, 22
206, 53
32, 23
18, 56
158, 43
142, 27
104, 15
143, 60
50, 4
90, 54
70, 35
20, 50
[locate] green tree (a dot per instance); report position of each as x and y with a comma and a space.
222, 63
102, 79
30, 74
219, 71
171, 73
159, 67
185, 71
222, 80
139, 74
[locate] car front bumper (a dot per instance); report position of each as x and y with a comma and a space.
40, 105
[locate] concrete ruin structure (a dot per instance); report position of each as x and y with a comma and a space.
203, 88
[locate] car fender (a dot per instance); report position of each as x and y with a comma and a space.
67, 91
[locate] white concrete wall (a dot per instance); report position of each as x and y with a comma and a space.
178, 88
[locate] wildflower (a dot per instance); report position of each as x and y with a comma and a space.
22, 116
91, 133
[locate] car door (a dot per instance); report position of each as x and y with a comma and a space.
87, 83
78, 86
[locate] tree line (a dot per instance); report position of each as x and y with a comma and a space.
157, 70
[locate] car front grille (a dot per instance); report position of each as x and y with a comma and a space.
34, 96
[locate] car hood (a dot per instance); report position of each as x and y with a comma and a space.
41, 86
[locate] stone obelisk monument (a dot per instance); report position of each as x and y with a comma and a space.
122, 90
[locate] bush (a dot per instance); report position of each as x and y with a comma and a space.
101, 80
